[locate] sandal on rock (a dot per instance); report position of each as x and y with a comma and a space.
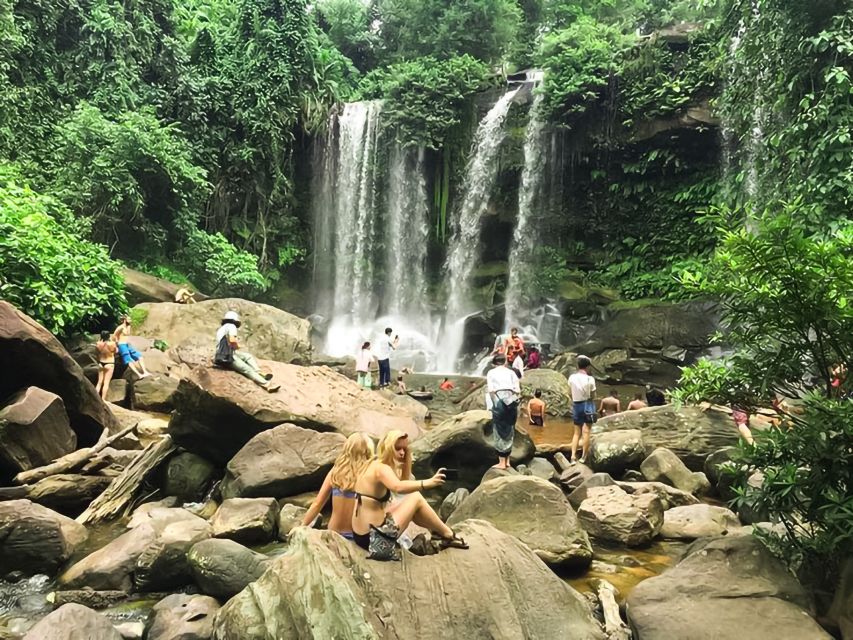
452, 543
272, 388
267, 376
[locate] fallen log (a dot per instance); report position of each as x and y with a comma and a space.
115, 499
614, 627
71, 461
14, 493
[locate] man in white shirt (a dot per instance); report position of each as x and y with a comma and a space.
583, 406
503, 390
384, 346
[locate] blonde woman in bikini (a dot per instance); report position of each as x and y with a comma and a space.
106, 348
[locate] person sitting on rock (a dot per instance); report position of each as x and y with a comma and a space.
610, 405
129, 355
741, 419
184, 296
534, 359
106, 348
401, 386
229, 355
636, 403
536, 409
446, 385
339, 485
375, 521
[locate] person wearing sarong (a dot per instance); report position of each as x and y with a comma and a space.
503, 391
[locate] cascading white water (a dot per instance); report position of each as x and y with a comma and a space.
464, 251
354, 212
525, 238
407, 236
323, 210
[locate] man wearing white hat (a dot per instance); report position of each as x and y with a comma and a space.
230, 356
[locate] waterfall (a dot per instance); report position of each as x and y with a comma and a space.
526, 239
407, 238
323, 210
464, 252
355, 214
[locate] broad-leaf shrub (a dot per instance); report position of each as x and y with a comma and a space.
48, 270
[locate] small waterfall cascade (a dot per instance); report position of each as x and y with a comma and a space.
323, 210
408, 235
525, 239
463, 252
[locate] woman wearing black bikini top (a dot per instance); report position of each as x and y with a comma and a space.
373, 491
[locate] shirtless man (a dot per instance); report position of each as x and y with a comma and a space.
129, 355
636, 403
610, 404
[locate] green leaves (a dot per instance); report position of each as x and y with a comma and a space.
46, 269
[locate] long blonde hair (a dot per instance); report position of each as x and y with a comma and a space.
385, 454
357, 453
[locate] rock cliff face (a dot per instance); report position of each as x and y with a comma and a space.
324, 587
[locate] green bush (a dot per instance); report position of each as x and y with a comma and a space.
50, 272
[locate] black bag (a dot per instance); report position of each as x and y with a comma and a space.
224, 353
591, 417
383, 541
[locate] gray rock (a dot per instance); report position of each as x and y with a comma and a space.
183, 617
477, 587
155, 393
464, 442
34, 430
609, 513
664, 466
574, 476
716, 460
282, 461
632, 475
841, 610
34, 539
163, 563
117, 391
699, 521
452, 502
669, 496
616, 451
534, 511
73, 622
493, 472
246, 520
580, 494
289, 518
541, 468
725, 588
222, 568
188, 476
555, 390
562, 462
131, 630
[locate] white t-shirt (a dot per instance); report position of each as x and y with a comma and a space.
503, 383
518, 364
384, 347
583, 386
363, 359
226, 329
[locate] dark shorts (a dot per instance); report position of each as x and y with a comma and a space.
537, 420
580, 411
128, 353
362, 540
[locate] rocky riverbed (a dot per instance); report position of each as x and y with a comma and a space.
183, 523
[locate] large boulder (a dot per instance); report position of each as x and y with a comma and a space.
183, 617
219, 411
663, 465
718, 592
555, 390
699, 521
143, 287
690, 432
452, 502
246, 520
152, 554
34, 539
581, 493
281, 461
223, 568
155, 393
609, 513
34, 430
325, 587
266, 332
289, 517
41, 361
464, 442
73, 622
616, 451
534, 511
714, 464
187, 476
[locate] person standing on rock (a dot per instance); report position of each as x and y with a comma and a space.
106, 348
637, 403
384, 347
363, 360
583, 406
229, 355
129, 355
513, 345
610, 405
339, 485
503, 390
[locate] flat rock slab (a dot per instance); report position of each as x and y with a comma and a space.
699, 521
246, 520
611, 514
